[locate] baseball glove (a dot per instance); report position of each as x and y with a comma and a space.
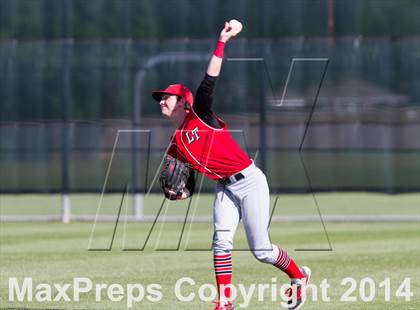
174, 177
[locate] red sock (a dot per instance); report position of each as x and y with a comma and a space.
286, 264
223, 271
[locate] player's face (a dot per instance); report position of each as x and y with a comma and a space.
172, 107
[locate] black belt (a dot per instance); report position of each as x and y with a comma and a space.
231, 179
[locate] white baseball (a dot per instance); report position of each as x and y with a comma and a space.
236, 26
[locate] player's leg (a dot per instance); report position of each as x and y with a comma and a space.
226, 217
255, 209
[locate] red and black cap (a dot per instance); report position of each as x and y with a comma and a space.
177, 90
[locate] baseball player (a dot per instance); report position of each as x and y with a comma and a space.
203, 143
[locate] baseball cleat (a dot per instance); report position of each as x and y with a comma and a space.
299, 289
223, 306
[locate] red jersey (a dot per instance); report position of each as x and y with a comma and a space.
211, 151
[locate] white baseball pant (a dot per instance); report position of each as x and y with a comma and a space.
247, 199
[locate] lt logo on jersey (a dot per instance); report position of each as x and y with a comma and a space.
193, 135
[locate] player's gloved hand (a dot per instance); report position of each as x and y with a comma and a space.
173, 178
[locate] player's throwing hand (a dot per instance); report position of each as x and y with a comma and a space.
230, 30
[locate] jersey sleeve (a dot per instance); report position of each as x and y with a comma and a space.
204, 100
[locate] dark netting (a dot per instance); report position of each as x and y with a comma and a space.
71, 76
145, 19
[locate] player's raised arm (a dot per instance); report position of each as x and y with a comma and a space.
204, 96
230, 30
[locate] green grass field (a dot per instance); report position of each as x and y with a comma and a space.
56, 253
356, 203
52, 253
